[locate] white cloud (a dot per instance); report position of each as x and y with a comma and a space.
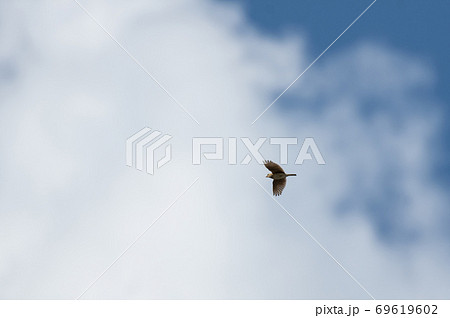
70, 206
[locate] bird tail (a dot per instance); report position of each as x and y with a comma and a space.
291, 174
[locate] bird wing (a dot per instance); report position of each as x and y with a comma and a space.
273, 167
278, 186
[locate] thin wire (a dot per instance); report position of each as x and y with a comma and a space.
267, 108
137, 62
317, 242
137, 239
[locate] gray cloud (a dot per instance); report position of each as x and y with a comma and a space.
70, 206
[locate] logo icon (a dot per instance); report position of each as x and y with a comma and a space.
141, 148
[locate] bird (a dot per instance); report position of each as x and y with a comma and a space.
278, 175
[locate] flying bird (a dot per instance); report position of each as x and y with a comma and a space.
278, 175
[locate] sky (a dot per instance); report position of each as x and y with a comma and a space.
372, 222
414, 26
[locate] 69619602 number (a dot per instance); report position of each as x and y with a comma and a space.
406, 309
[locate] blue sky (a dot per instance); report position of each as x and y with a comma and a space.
375, 104
416, 27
